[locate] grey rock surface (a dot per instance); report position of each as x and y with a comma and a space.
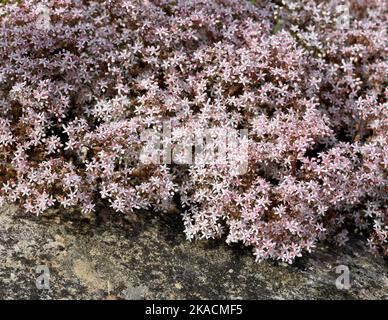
111, 257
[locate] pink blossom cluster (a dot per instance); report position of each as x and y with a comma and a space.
77, 91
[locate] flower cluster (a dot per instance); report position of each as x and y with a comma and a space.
80, 81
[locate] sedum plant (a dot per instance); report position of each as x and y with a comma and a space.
81, 81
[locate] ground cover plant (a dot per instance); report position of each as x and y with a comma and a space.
81, 81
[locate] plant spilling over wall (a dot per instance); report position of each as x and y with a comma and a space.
81, 80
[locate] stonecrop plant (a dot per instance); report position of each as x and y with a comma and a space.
80, 81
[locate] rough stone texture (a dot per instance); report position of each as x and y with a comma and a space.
111, 257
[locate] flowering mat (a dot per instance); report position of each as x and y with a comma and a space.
261, 124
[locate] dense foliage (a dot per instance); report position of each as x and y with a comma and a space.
81, 80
